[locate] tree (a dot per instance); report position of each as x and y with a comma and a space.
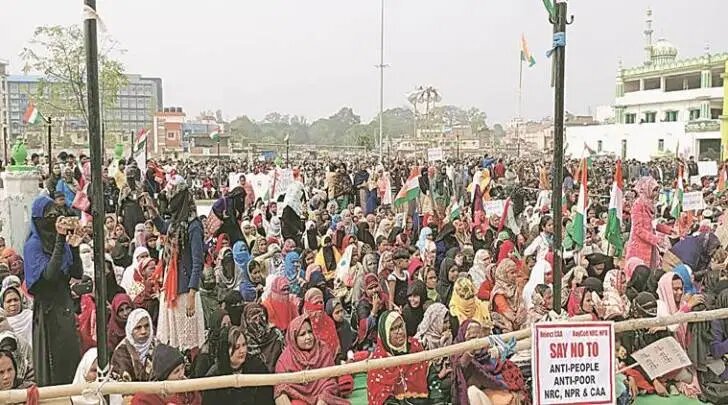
244, 130
58, 54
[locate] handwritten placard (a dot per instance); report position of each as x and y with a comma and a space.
659, 358
494, 207
693, 201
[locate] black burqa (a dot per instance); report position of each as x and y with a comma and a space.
413, 315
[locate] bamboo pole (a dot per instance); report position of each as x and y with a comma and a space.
302, 377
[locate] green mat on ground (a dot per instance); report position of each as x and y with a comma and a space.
359, 396
674, 400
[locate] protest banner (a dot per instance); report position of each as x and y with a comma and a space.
662, 357
695, 180
708, 168
573, 363
282, 178
693, 201
494, 207
435, 154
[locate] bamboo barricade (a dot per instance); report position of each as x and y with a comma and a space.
302, 377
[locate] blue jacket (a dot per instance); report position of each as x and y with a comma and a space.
191, 258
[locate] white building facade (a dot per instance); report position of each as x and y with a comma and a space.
662, 107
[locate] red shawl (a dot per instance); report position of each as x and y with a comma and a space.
323, 326
115, 331
280, 305
401, 382
86, 322
294, 359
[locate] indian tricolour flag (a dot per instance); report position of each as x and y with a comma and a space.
32, 115
579, 233
215, 135
410, 190
677, 198
613, 232
525, 53
139, 149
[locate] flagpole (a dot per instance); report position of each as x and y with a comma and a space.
518, 110
50, 149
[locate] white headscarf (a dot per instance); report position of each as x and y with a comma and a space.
127, 278
132, 321
478, 271
87, 260
83, 368
538, 276
22, 323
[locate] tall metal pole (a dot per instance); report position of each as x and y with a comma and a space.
97, 191
5, 145
381, 89
559, 21
520, 102
50, 148
131, 136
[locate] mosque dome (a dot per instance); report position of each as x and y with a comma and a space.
663, 51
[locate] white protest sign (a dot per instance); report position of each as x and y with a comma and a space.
664, 356
573, 362
283, 179
261, 184
708, 168
435, 154
693, 201
233, 180
494, 207
695, 180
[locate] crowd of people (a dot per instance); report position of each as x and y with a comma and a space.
356, 260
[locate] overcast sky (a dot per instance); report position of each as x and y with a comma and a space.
311, 57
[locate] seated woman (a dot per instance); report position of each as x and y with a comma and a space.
21, 351
132, 358
281, 305
263, 339
581, 302
347, 335
304, 352
373, 302
233, 358
121, 306
465, 305
405, 384
323, 326
9, 378
480, 379
87, 372
542, 302
434, 332
169, 365
17, 312
509, 310
251, 287
414, 311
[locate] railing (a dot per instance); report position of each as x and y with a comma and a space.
301, 377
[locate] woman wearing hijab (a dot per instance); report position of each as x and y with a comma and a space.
599, 265
542, 303
132, 358
303, 351
230, 210
414, 311
478, 273
446, 282
544, 241
509, 310
181, 320
17, 312
685, 273
372, 303
280, 304
146, 288
581, 302
670, 294
638, 282
614, 299
234, 357
21, 351
328, 258
435, 330
263, 340
364, 235
228, 276
465, 305
643, 242
430, 277
68, 185
292, 268
696, 252
323, 326
252, 285
51, 260
479, 378
168, 364
121, 306
127, 278
405, 384
347, 335
12, 378
86, 373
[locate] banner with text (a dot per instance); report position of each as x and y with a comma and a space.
693, 201
573, 363
435, 154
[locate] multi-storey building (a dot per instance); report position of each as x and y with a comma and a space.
664, 106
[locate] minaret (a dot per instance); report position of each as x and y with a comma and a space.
648, 37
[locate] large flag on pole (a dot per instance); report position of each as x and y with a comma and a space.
579, 233
677, 198
526, 55
139, 151
613, 232
32, 115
